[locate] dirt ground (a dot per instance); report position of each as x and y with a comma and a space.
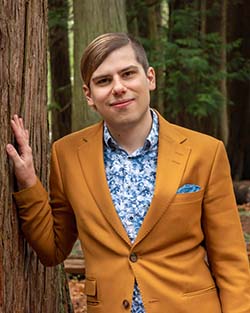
78, 297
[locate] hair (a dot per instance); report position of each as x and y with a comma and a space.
99, 49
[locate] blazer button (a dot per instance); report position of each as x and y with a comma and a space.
126, 304
133, 257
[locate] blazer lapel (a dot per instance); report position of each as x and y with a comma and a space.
172, 159
90, 155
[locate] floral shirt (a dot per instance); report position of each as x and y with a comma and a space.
131, 180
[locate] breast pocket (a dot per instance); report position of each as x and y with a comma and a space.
188, 197
184, 215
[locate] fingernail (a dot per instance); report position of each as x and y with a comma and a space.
9, 147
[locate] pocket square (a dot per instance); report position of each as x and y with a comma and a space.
187, 188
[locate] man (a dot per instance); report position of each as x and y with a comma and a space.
151, 202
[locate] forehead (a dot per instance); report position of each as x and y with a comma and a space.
116, 61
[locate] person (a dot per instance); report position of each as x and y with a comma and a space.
151, 202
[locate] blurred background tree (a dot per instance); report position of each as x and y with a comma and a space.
91, 18
200, 50
60, 73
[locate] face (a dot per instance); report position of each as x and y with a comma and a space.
119, 90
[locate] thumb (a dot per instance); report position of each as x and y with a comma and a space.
13, 153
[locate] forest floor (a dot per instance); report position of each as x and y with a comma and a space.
78, 298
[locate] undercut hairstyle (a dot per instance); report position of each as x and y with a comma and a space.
100, 48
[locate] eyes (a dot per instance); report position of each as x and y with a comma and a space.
103, 81
129, 73
106, 80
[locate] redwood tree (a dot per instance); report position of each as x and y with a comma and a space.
25, 284
239, 92
61, 96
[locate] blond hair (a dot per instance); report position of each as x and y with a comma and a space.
98, 50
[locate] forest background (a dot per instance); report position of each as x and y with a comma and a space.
201, 53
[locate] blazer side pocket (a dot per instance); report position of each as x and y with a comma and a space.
91, 291
200, 292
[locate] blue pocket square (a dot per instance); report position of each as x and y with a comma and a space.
187, 188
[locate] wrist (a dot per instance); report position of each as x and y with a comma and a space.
28, 183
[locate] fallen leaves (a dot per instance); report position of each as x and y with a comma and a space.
77, 295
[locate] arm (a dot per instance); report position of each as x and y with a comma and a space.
49, 228
224, 238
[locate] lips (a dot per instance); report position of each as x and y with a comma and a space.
121, 103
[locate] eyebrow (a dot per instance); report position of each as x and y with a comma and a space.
130, 67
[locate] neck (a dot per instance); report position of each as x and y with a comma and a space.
132, 137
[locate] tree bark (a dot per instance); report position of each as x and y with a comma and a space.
91, 18
25, 285
61, 95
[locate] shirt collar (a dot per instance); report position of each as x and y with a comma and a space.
151, 140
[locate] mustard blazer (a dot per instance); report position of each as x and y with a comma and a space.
189, 255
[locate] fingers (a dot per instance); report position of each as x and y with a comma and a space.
21, 134
24, 168
23, 151
17, 122
22, 158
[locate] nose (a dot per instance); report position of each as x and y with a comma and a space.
118, 87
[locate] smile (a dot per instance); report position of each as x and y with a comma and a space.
121, 103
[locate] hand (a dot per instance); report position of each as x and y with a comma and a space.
23, 158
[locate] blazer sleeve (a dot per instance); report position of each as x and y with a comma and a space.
224, 239
48, 225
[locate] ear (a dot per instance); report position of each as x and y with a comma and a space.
151, 78
87, 93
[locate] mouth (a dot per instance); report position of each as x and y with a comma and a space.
121, 103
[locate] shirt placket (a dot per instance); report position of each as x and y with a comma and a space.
129, 192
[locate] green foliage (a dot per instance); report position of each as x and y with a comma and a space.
191, 61
53, 106
192, 76
243, 211
247, 237
192, 67
58, 17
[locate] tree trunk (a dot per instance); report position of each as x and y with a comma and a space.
203, 9
25, 285
155, 33
224, 126
91, 18
239, 92
61, 97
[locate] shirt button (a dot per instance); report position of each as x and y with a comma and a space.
133, 257
125, 304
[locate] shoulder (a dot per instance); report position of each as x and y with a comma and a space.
199, 143
194, 136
